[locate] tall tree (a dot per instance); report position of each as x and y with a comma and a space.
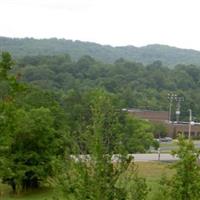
95, 175
32, 133
185, 183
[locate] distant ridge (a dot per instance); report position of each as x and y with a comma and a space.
31, 47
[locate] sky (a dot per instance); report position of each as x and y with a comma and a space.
110, 22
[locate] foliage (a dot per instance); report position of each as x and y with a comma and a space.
187, 178
135, 84
135, 134
138, 135
32, 136
159, 130
9, 88
185, 183
38, 127
50, 133
135, 187
108, 54
5, 65
32, 149
95, 175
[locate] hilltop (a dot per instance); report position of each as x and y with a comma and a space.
105, 53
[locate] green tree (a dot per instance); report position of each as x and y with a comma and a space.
32, 151
95, 175
159, 130
33, 132
5, 64
185, 183
9, 88
138, 135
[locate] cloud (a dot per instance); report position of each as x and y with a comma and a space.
115, 22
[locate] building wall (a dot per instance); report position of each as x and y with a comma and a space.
159, 116
162, 117
175, 129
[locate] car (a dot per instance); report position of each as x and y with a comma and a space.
165, 139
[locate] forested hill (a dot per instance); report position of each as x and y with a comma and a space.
147, 54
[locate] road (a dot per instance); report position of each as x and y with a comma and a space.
139, 157
146, 157
153, 157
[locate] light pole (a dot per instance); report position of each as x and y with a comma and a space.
171, 97
190, 123
178, 107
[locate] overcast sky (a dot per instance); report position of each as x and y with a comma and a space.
114, 22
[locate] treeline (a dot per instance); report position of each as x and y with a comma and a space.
32, 47
136, 85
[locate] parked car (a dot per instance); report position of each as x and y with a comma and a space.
165, 139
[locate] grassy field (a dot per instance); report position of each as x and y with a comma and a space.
152, 171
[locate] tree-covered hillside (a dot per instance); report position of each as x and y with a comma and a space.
135, 84
108, 54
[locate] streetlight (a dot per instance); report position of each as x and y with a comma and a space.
190, 123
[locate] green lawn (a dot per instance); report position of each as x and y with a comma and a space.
152, 171
168, 144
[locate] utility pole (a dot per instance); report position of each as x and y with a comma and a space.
170, 97
178, 107
190, 123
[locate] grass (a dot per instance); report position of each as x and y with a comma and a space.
152, 171
169, 144
39, 194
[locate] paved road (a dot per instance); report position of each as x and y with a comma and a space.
139, 157
153, 157
146, 157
